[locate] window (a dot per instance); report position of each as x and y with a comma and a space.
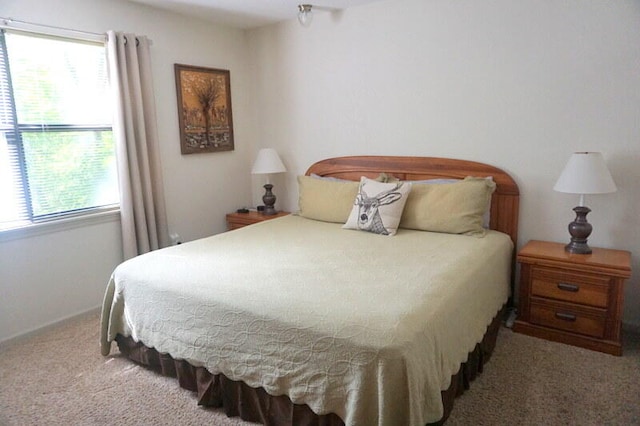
57, 156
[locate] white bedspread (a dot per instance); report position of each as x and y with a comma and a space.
362, 325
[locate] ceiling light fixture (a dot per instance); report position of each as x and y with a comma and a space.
305, 14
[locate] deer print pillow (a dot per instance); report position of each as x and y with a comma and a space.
378, 206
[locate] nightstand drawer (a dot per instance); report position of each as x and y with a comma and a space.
583, 289
568, 317
572, 298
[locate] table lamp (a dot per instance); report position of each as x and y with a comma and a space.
268, 162
585, 173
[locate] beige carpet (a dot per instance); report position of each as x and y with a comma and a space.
59, 378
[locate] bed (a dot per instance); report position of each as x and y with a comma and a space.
298, 321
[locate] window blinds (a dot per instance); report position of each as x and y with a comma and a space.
56, 122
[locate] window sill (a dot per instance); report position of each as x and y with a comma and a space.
58, 225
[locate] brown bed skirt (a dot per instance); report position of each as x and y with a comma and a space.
240, 400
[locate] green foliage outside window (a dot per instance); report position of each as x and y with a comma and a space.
63, 116
70, 170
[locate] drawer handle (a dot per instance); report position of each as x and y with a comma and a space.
566, 317
569, 287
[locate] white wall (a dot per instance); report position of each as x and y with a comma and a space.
520, 85
49, 277
55, 275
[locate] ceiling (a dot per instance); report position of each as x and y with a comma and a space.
246, 13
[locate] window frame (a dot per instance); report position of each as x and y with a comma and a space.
86, 219
34, 225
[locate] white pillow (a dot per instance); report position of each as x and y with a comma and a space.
378, 206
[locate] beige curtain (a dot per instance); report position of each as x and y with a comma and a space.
142, 206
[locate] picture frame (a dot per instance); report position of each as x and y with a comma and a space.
204, 109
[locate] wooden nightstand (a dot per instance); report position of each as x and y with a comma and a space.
572, 298
238, 220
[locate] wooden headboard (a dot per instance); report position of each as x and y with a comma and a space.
504, 202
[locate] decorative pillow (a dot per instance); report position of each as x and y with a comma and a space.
324, 199
454, 208
378, 206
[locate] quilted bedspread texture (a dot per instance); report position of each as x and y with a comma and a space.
366, 326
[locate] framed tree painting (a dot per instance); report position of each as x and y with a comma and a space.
204, 109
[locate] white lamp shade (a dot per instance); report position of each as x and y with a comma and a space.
585, 173
267, 162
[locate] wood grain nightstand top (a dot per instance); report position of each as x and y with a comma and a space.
616, 262
238, 220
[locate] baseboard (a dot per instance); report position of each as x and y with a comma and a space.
47, 327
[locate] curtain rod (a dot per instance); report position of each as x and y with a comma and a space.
11, 23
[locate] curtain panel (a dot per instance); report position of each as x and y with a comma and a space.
142, 205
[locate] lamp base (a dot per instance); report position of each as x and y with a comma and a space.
579, 230
577, 248
269, 199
